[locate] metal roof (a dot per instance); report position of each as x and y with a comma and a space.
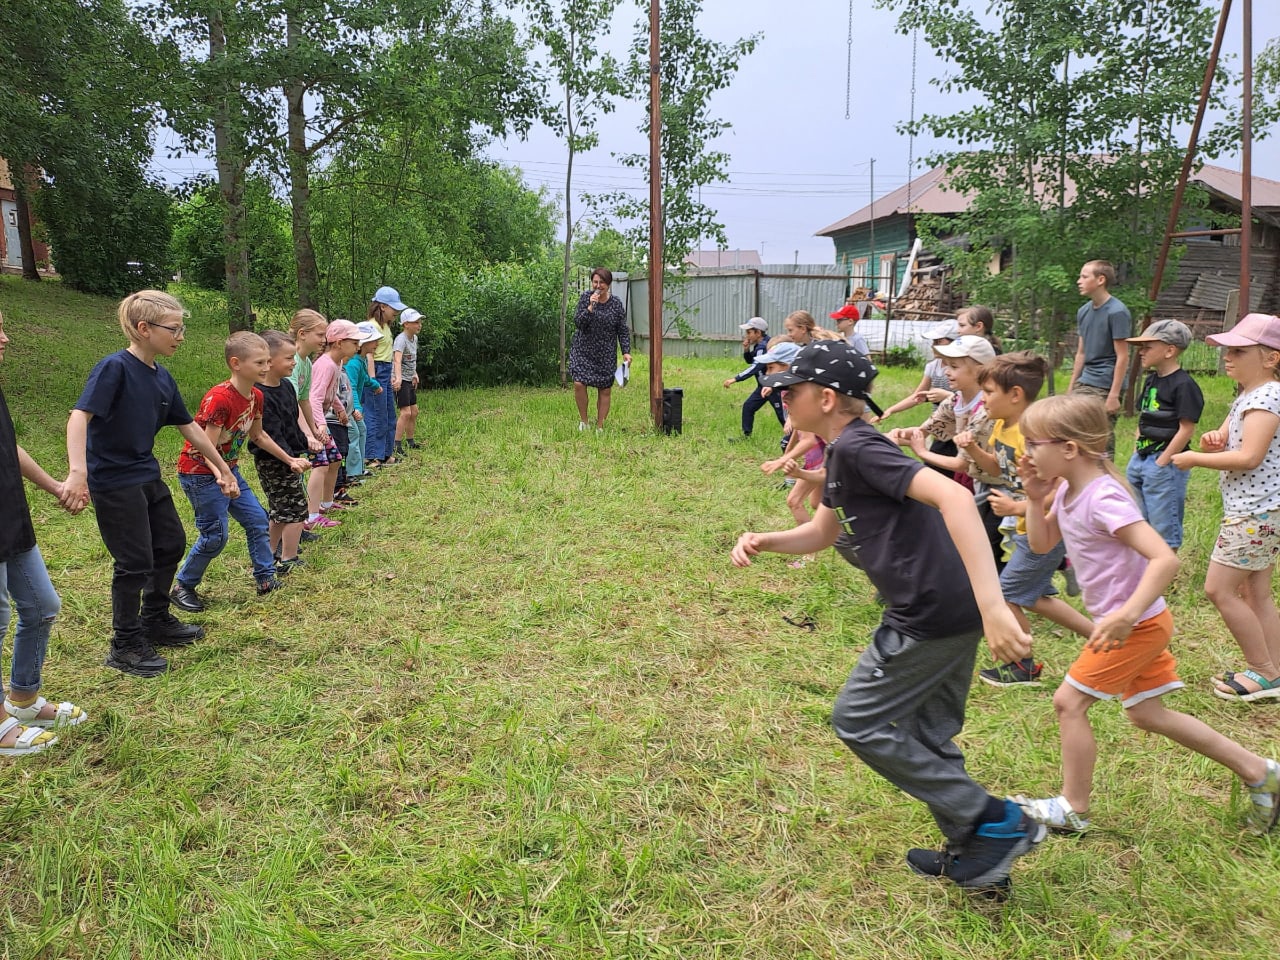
929, 194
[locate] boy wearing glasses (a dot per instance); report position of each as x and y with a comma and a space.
110, 440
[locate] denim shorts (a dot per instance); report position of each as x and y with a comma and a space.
1028, 576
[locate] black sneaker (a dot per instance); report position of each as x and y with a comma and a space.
186, 598
285, 567
308, 537
1020, 673
266, 586
983, 861
137, 661
412, 444
169, 631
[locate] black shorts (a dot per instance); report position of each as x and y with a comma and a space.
285, 490
407, 395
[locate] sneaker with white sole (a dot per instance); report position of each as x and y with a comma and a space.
1265, 801
982, 862
1054, 812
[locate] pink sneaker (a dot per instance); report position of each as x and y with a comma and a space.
334, 507
320, 522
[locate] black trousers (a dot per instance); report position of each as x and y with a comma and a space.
142, 532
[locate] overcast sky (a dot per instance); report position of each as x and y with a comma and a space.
797, 164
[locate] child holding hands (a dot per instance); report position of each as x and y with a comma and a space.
110, 448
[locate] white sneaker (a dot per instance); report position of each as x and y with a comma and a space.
582, 426
1054, 812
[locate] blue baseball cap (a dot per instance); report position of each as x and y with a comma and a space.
784, 352
390, 296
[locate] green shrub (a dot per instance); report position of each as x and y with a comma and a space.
504, 329
907, 356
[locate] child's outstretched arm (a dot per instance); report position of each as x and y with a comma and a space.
1257, 429
55, 488
200, 440
818, 534
1162, 566
1007, 640
75, 489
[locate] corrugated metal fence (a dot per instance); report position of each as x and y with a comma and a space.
713, 302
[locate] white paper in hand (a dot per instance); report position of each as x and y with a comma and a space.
623, 373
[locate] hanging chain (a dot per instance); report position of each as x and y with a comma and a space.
848, 65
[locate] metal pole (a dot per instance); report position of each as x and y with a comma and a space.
871, 255
656, 263
1246, 165
1188, 159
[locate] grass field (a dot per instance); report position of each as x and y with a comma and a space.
520, 705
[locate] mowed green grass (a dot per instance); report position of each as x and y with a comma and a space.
521, 705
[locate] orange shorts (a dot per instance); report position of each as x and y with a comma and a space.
1141, 669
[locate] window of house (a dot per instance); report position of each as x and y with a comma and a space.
888, 275
858, 271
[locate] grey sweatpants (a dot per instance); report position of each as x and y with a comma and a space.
899, 710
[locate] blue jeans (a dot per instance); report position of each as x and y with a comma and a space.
211, 507
380, 416
25, 587
755, 402
356, 430
1161, 494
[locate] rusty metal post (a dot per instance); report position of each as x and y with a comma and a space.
656, 267
1180, 190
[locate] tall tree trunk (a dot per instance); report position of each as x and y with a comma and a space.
228, 148
300, 180
25, 243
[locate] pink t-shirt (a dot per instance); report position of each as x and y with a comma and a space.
1109, 570
323, 394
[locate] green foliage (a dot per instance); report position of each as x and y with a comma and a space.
607, 246
1088, 94
693, 68
78, 88
504, 328
398, 208
907, 356
197, 247
109, 228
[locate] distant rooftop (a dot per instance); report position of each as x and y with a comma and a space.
929, 194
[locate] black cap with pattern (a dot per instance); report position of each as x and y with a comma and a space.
834, 364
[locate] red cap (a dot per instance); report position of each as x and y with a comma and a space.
847, 312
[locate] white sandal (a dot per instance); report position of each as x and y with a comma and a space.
67, 714
30, 739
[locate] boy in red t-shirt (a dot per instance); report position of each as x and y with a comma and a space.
229, 414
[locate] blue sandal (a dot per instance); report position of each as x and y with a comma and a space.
1267, 689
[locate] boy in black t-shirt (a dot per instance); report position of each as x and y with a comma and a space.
909, 529
1169, 408
286, 493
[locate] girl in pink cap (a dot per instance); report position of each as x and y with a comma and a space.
1246, 448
